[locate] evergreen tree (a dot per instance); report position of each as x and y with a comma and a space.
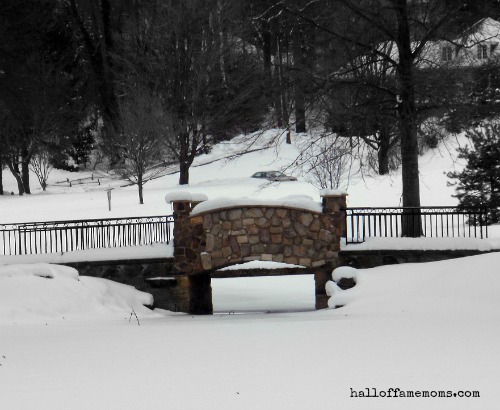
479, 182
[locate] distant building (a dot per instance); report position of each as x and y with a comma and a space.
476, 46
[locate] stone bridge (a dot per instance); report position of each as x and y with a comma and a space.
209, 235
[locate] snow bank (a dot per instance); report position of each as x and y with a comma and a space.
292, 201
39, 292
424, 244
152, 251
446, 287
261, 265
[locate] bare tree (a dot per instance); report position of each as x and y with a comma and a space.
41, 166
327, 162
139, 143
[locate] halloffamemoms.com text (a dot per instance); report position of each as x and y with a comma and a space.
397, 392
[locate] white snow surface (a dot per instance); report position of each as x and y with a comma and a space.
425, 243
153, 251
291, 201
260, 265
184, 196
35, 293
72, 343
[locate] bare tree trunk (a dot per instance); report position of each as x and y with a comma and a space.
184, 173
298, 62
407, 128
383, 150
25, 170
1, 176
14, 169
268, 74
140, 185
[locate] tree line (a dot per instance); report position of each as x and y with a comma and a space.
151, 83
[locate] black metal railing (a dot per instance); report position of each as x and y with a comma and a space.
66, 236
362, 223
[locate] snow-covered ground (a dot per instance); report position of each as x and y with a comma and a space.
218, 177
70, 342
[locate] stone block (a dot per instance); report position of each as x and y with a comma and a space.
306, 219
266, 257
226, 251
238, 224
277, 238
217, 254
248, 221
242, 239
269, 213
315, 225
292, 260
233, 243
245, 250
299, 228
217, 263
276, 229
299, 250
258, 249
325, 236
281, 213
321, 262
262, 223
206, 261
265, 236
275, 221
216, 229
207, 221
210, 243
305, 262
253, 230
254, 213
226, 226
275, 248
253, 239
251, 258
278, 257
234, 214
196, 220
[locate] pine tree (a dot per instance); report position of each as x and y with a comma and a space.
479, 182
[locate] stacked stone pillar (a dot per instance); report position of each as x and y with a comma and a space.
193, 292
333, 205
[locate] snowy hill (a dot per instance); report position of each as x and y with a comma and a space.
224, 172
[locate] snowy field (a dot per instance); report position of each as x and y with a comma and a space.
69, 342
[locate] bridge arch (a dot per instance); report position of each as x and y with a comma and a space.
209, 235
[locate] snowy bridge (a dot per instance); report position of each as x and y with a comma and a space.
216, 235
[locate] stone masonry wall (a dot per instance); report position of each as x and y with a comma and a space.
227, 236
